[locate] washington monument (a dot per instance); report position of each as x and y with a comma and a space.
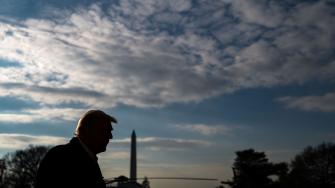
133, 176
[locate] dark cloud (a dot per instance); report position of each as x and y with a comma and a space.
49, 90
57, 97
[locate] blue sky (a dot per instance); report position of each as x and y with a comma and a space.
197, 80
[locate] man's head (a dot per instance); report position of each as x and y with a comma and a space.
95, 129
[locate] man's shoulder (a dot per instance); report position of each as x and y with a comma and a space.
59, 163
73, 148
57, 152
60, 155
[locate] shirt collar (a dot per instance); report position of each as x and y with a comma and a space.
88, 151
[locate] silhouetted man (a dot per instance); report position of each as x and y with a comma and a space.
75, 164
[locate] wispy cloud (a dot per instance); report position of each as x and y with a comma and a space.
41, 114
17, 118
323, 103
152, 53
115, 155
156, 143
207, 130
21, 141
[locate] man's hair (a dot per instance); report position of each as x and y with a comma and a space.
90, 118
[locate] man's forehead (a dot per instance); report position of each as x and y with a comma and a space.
109, 125
104, 123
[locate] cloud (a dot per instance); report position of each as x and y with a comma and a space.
155, 143
51, 95
323, 103
65, 61
153, 53
21, 141
115, 155
17, 118
207, 130
269, 14
41, 114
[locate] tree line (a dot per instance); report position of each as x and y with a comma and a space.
314, 167
18, 169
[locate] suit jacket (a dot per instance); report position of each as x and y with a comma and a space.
69, 165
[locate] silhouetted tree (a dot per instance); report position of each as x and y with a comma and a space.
2, 171
314, 167
252, 170
21, 167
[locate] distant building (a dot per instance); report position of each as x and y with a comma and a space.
145, 183
129, 185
